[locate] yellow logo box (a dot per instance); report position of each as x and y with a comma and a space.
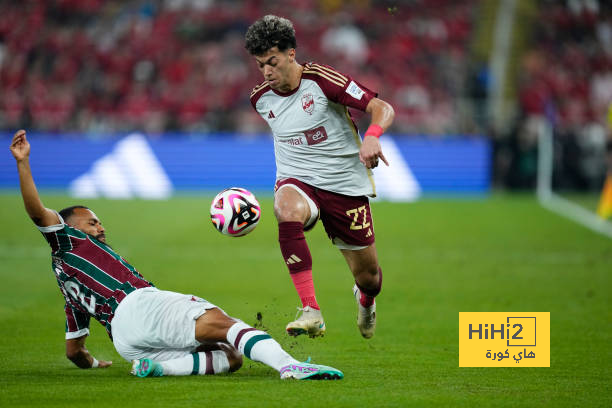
504, 339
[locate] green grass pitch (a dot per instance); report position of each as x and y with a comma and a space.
439, 257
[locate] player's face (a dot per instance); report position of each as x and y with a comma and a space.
275, 66
86, 220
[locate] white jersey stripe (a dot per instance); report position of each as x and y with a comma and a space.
57, 239
98, 295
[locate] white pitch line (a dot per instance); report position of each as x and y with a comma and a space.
554, 202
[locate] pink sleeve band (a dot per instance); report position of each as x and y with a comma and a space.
374, 130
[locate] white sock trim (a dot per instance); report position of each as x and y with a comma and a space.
220, 362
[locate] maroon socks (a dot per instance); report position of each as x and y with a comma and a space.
298, 259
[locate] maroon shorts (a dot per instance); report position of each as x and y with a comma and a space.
344, 217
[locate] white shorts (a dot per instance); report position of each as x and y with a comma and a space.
157, 324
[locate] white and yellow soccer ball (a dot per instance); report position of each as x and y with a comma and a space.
235, 212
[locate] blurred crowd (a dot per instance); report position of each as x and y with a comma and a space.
101, 67
565, 79
96, 67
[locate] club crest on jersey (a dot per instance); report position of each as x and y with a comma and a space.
308, 103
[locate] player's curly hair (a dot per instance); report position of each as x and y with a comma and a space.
268, 32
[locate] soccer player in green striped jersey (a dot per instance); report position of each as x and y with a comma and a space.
161, 332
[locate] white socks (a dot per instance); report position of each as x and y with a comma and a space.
203, 363
257, 345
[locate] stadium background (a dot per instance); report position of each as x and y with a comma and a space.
149, 99
96, 70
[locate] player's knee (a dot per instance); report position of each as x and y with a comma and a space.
291, 207
369, 279
290, 213
368, 272
213, 325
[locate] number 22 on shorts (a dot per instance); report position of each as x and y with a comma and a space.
354, 213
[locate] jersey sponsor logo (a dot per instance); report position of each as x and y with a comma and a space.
294, 141
355, 91
316, 135
308, 103
271, 115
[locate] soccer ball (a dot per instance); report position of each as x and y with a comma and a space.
235, 212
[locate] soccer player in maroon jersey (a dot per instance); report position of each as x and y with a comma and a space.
323, 166
161, 332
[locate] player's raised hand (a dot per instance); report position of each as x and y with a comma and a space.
20, 147
370, 152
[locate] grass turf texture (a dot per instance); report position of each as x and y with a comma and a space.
439, 258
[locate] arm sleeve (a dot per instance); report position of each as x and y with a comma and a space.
57, 236
77, 323
355, 95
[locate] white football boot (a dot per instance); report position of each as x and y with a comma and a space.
366, 316
310, 323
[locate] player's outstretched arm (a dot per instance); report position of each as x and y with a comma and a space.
20, 148
79, 355
382, 117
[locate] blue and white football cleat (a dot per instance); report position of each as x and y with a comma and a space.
146, 367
